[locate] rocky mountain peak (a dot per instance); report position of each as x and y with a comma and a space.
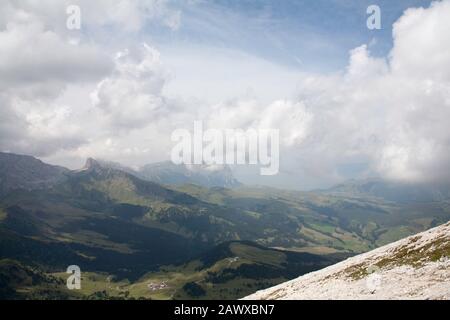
92, 164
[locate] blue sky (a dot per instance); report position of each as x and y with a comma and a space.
308, 35
227, 49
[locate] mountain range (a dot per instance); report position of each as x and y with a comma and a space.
148, 238
27, 173
393, 191
170, 174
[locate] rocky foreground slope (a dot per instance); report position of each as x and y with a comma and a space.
417, 267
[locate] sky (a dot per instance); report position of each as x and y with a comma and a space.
350, 102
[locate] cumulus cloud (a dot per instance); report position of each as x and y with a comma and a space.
291, 118
421, 43
35, 60
390, 113
37, 127
383, 117
40, 62
36, 66
132, 96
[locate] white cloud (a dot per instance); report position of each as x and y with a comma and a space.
422, 43
41, 62
292, 118
392, 114
38, 127
132, 96
36, 66
37, 61
388, 116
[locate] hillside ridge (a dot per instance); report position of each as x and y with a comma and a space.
416, 267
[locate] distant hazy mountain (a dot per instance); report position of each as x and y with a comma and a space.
27, 173
112, 165
206, 176
171, 174
392, 191
417, 267
118, 183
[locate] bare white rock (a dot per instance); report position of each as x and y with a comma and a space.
417, 267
